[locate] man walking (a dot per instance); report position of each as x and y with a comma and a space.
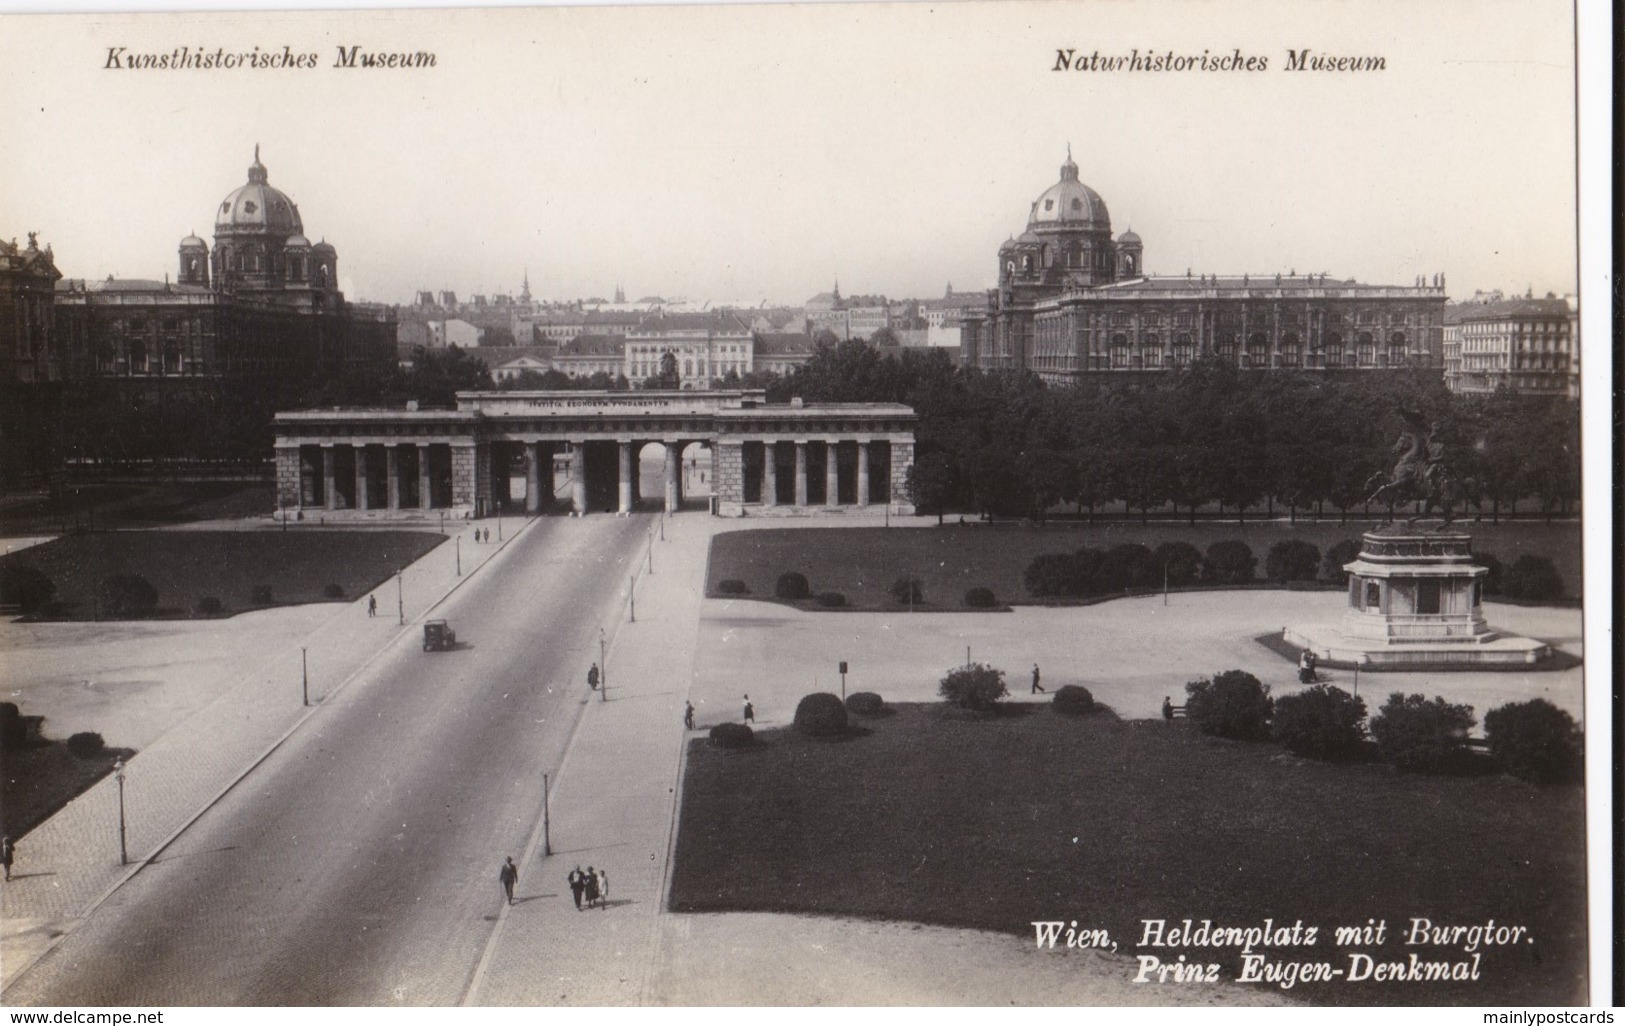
509, 876
688, 715
592, 677
8, 853
372, 605
750, 711
1037, 687
591, 882
577, 885
603, 886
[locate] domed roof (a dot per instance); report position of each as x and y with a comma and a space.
1128, 236
1070, 203
323, 247
297, 241
258, 206
192, 241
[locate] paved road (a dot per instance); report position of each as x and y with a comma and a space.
358, 865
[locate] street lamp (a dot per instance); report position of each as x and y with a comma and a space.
458, 544
603, 668
400, 598
123, 852
304, 675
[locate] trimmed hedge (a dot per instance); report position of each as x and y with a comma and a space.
1292, 560
26, 587
1229, 562
732, 586
732, 735
1074, 700
1182, 560
792, 586
865, 703
1532, 579
981, 598
1232, 704
1536, 741
333, 591
86, 745
1337, 557
1322, 722
1419, 736
832, 599
208, 605
906, 590
128, 596
261, 595
820, 714
1497, 572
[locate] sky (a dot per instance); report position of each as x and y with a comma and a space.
758, 154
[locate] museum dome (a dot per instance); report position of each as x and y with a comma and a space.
1070, 203
258, 206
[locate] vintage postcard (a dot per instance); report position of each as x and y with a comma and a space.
1057, 504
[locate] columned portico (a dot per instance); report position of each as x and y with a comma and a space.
863, 473
625, 490
533, 478
674, 458
770, 474
330, 492
832, 476
578, 477
392, 467
425, 494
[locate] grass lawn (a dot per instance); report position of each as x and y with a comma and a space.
862, 563
994, 823
184, 566
41, 778
114, 506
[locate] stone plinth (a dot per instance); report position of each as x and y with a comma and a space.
1415, 597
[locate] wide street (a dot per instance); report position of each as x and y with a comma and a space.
358, 864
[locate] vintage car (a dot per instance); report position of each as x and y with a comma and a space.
438, 636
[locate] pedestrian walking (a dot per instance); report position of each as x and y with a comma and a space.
688, 715
592, 677
578, 885
750, 711
8, 853
372, 605
509, 876
1037, 687
603, 887
592, 887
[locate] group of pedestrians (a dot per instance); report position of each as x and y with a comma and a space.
591, 886
748, 713
482, 535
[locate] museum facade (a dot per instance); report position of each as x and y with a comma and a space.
1075, 301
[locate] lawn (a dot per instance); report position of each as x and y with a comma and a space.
185, 566
862, 563
994, 823
36, 780
115, 506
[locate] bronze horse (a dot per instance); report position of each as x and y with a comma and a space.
1420, 476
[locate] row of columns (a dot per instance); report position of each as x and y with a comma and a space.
832, 476
363, 479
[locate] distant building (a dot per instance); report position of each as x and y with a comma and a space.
782, 353
28, 346
705, 346
1074, 301
453, 331
1527, 345
586, 355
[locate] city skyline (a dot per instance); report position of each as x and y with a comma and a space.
744, 154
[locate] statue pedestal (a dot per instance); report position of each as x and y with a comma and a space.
1415, 598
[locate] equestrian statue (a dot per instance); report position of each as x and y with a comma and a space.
1420, 475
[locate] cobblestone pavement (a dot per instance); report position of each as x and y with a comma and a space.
67, 864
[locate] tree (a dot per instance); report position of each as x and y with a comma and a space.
933, 481
1229, 562
977, 686
1232, 704
1535, 741
1181, 562
1292, 560
1421, 736
1322, 722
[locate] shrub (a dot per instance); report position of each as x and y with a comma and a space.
208, 605
1087, 577
86, 745
832, 599
976, 686
1321, 722
1337, 557
906, 590
981, 598
1292, 560
333, 591
1182, 559
865, 703
1229, 562
1233, 704
1536, 741
261, 595
1074, 700
1128, 566
732, 586
1497, 572
1050, 574
792, 586
128, 596
1419, 736
25, 587
1533, 579
820, 714
732, 735
9, 710
13, 732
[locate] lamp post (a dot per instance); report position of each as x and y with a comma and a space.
459, 550
442, 521
304, 675
603, 667
632, 599
123, 851
400, 598
499, 527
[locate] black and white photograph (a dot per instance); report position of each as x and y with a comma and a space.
806, 504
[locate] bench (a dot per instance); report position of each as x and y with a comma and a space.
1173, 712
